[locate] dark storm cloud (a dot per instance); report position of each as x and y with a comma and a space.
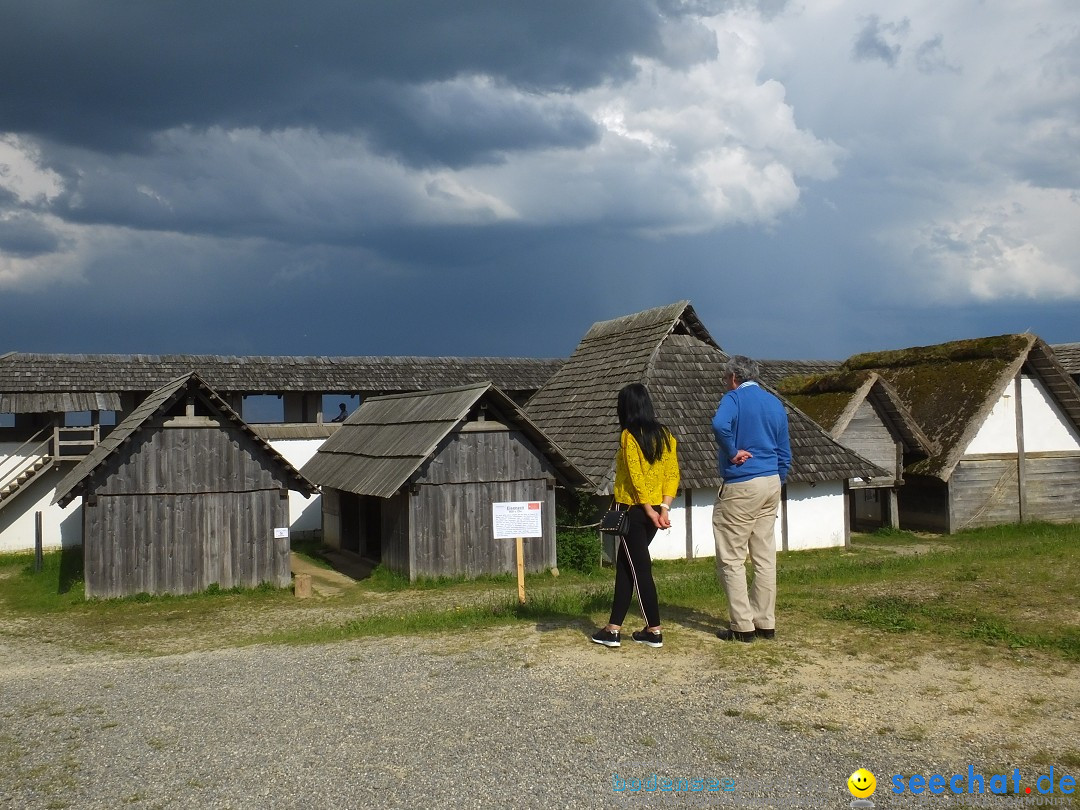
25, 237
463, 124
107, 74
873, 41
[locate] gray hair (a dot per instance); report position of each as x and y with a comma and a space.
744, 369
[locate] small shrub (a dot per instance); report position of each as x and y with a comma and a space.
577, 548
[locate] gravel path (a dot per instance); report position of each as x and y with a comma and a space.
499, 719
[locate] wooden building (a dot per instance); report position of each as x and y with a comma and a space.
43, 397
672, 353
180, 496
1004, 416
409, 480
864, 413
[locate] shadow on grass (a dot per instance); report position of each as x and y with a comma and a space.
694, 619
71, 569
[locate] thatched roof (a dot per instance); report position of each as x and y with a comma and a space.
158, 402
672, 353
950, 388
833, 399
38, 383
388, 439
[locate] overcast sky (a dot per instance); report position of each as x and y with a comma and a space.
818, 178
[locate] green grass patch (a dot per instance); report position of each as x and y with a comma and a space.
1001, 590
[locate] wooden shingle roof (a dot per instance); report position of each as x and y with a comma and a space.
388, 439
160, 400
1068, 354
53, 379
671, 352
950, 388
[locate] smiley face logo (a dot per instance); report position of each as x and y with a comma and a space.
862, 784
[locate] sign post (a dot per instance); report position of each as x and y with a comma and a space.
517, 520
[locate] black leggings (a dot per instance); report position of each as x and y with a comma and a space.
633, 570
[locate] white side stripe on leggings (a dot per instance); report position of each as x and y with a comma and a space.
633, 576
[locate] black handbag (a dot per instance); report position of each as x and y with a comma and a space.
615, 521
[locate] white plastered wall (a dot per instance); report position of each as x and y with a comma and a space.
60, 526
997, 434
305, 513
815, 520
815, 515
1046, 429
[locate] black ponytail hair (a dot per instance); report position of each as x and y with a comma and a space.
636, 415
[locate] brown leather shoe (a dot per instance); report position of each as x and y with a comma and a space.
769, 634
727, 634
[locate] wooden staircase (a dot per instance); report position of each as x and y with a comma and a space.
38, 455
26, 476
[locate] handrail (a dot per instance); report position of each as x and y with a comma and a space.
93, 441
36, 435
52, 445
25, 462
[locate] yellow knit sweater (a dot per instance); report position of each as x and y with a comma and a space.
638, 481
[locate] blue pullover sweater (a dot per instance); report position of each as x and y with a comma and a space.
750, 418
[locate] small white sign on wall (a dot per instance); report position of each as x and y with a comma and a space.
515, 519
281, 533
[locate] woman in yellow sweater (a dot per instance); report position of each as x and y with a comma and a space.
646, 481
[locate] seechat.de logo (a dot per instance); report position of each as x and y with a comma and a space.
862, 785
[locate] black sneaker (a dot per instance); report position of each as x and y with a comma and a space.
727, 634
648, 638
606, 637
769, 634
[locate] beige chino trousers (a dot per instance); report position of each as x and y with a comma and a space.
744, 523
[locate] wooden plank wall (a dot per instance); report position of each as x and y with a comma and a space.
451, 516
984, 492
868, 436
452, 530
184, 543
395, 533
182, 509
495, 455
189, 460
331, 517
1053, 481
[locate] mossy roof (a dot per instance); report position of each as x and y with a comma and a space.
832, 400
950, 388
825, 398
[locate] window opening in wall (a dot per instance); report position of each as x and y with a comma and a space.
263, 408
331, 406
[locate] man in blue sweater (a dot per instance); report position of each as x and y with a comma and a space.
751, 428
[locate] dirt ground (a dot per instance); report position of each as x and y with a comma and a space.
1010, 707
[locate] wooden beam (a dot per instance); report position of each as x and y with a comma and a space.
689, 510
847, 515
783, 517
1021, 462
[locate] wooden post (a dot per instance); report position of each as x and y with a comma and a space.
38, 540
1021, 460
689, 521
302, 586
520, 549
